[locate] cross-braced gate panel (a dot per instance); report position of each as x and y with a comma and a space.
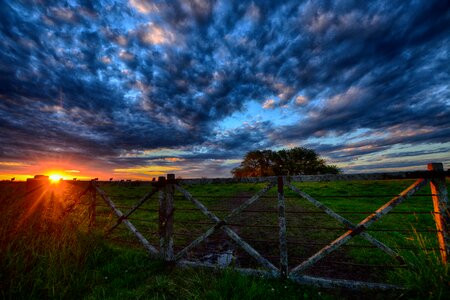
221, 224
357, 229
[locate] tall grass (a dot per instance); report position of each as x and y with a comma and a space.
427, 277
43, 250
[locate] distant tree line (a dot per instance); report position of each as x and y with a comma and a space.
293, 161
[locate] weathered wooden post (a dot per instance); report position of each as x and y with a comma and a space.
166, 216
92, 205
441, 209
170, 190
282, 227
162, 214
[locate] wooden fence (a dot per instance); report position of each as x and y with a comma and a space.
166, 188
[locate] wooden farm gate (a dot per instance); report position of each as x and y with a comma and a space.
166, 188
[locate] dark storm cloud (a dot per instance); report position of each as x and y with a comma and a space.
405, 136
100, 78
220, 146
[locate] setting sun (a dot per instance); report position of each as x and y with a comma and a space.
54, 178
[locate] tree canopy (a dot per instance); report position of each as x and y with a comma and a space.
293, 161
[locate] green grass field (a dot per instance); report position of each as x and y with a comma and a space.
47, 252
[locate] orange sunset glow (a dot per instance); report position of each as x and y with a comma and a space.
56, 170
69, 169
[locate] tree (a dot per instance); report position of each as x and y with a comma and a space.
256, 163
293, 161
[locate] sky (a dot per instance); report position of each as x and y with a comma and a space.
137, 89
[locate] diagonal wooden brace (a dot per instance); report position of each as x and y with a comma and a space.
361, 226
77, 199
221, 224
249, 249
150, 249
347, 223
133, 209
250, 201
196, 242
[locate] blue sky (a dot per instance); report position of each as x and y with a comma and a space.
136, 89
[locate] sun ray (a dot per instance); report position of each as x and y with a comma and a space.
39, 199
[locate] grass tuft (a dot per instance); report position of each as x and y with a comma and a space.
427, 277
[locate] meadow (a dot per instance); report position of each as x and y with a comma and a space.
49, 250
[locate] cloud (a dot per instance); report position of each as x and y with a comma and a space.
13, 164
301, 100
174, 159
269, 104
145, 171
154, 34
100, 80
143, 6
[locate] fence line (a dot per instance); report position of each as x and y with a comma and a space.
326, 177
166, 190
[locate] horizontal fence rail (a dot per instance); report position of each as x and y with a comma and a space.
325, 177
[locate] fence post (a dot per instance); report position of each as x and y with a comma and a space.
441, 209
92, 205
170, 190
282, 227
166, 216
162, 214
